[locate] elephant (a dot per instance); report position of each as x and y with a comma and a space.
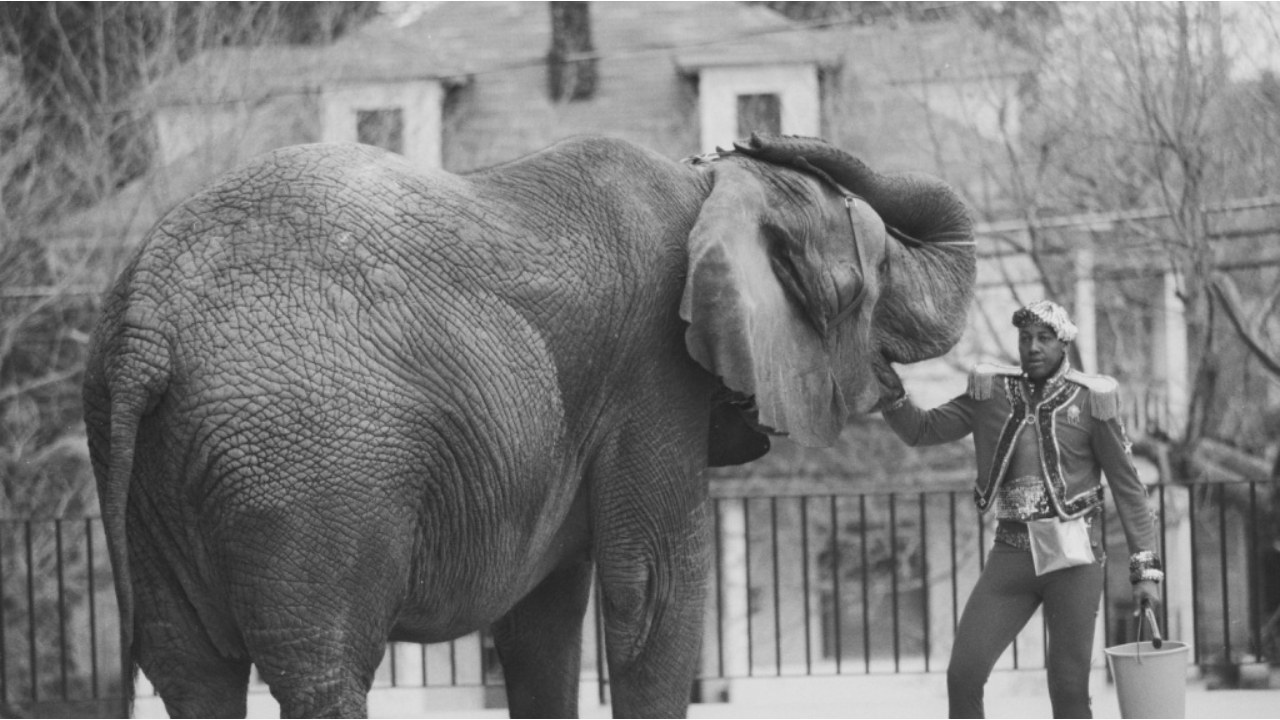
335, 400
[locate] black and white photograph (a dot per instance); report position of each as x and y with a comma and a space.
718, 359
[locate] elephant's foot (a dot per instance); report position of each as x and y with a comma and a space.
308, 696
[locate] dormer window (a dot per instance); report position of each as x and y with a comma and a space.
401, 117
759, 113
737, 98
383, 128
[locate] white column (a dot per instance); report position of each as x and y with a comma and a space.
1173, 349
1086, 311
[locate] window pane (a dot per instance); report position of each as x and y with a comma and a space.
759, 113
384, 128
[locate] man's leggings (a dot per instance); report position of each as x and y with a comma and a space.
1007, 594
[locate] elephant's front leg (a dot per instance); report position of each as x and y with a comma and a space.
540, 644
653, 579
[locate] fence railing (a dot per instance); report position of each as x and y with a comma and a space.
884, 590
805, 583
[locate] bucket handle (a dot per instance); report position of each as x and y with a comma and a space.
1149, 615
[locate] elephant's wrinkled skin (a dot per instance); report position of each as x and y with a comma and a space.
335, 400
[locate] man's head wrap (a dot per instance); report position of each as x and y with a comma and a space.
1048, 313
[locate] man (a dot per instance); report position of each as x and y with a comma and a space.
1043, 434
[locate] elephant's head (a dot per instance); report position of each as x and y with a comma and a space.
807, 270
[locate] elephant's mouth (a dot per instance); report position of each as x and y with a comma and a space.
886, 378
882, 362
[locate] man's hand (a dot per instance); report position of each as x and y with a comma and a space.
890, 384
1147, 590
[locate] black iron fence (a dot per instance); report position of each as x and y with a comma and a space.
803, 583
867, 582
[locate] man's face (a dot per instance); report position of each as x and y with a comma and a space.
1040, 350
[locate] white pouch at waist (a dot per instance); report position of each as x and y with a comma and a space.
1058, 544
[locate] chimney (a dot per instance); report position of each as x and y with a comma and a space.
570, 76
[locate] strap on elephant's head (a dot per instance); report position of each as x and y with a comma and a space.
764, 297
801, 164
786, 317
792, 151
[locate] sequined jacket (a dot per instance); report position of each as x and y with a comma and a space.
1079, 436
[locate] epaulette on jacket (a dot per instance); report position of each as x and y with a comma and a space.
1104, 393
982, 378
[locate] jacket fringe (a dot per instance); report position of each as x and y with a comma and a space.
982, 379
980, 386
1104, 394
1104, 391
1104, 406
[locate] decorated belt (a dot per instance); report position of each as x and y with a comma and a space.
1021, 499
1013, 534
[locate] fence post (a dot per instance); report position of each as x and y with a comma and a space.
733, 542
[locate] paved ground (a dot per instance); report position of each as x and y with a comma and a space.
1019, 694
1010, 694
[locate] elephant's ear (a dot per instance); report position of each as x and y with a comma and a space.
757, 302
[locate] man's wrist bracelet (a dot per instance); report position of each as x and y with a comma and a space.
1145, 566
899, 402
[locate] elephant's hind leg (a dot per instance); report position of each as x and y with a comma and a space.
315, 615
336, 693
540, 644
173, 648
320, 668
212, 687
318, 661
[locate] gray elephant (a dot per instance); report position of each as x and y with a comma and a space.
336, 400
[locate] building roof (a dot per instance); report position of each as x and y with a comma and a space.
130, 213
500, 46
378, 51
449, 41
489, 36
646, 53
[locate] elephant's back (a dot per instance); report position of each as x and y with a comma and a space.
317, 332
309, 218
306, 240
319, 280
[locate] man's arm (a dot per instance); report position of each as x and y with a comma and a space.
915, 426
1112, 448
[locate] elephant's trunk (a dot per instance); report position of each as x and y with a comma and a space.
922, 311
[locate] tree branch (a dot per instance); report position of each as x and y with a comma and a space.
13, 391
1225, 290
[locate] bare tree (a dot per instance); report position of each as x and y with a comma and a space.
72, 132
1147, 115
1148, 136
